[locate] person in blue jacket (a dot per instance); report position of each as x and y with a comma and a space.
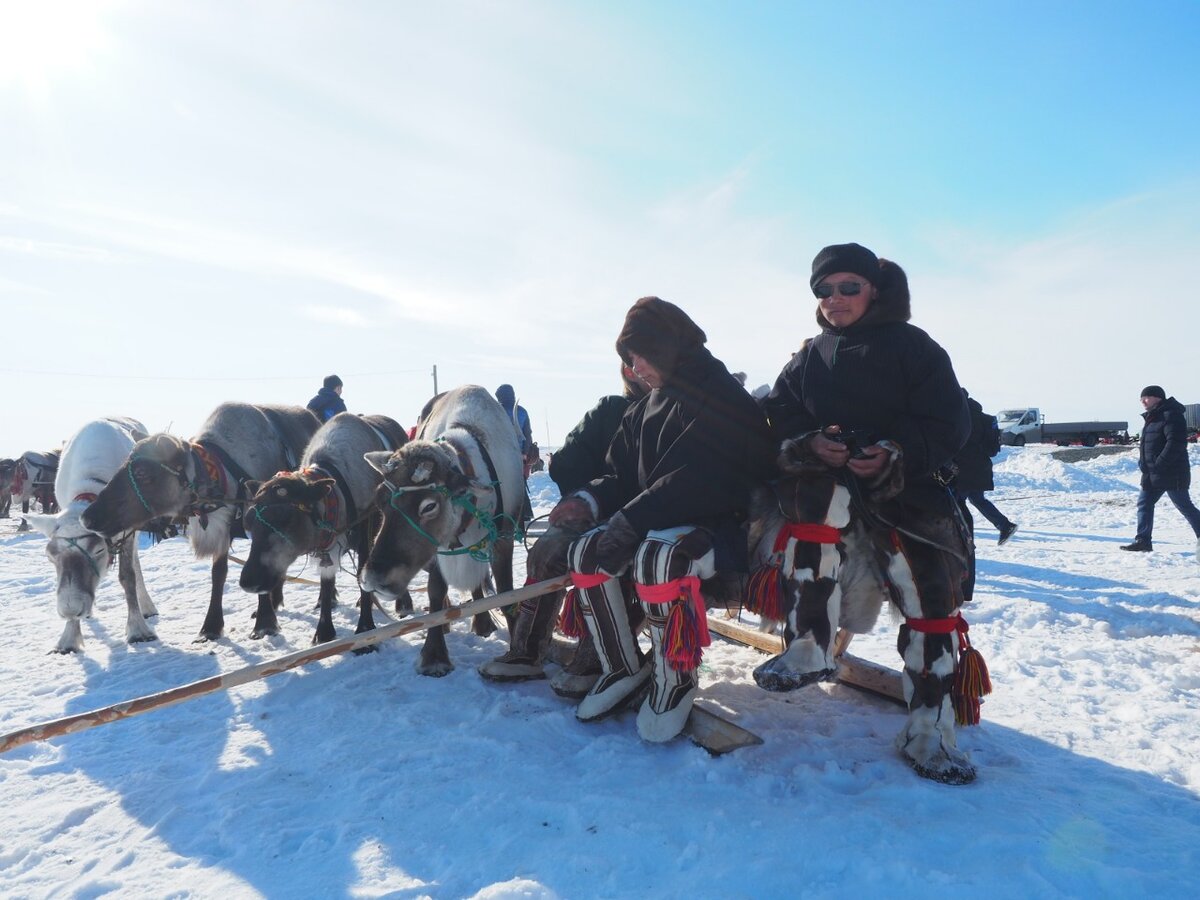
520, 418
328, 402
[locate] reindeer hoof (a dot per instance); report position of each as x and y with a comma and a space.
435, 670
483, 626
205, 636
260, 633
360, 651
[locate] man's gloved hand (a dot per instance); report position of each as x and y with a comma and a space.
573, 512
617, 545
548, 556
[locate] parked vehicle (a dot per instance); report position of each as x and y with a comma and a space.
1191, 415
1027, 425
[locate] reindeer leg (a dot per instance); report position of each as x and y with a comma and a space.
435, 658
214, 621
481, 623
404, 604
366, 619
502, 558
145, 604
265, 620
325, 630
136, 629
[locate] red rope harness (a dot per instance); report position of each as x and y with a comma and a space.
86, 497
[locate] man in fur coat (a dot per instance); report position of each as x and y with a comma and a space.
872, 403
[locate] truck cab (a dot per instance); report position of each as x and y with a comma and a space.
1019, 425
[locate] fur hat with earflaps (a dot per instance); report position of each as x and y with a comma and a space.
892, 303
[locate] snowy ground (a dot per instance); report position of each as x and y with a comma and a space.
357, 777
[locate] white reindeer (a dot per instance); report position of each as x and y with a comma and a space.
81, 557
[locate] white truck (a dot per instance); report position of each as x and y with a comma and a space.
1027, 425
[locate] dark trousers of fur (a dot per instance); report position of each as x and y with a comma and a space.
928, 578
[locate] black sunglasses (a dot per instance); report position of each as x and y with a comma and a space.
845, 288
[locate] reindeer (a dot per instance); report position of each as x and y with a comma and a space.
33, 479
449, 500
324, 508
8, 470
204, 480
828, 555
80, 556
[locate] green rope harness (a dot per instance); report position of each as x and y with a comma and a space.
263, 519
481, 550
91, 559
178, 473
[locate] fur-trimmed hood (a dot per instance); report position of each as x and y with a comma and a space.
893, 304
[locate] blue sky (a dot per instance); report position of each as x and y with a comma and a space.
212, 201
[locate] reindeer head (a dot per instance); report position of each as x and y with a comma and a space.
80, 558
156, 480
423, 498
281, 522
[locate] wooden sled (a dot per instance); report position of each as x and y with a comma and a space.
852, 670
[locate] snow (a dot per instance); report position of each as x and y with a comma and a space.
357, 777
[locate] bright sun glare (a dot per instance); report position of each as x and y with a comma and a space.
42, 40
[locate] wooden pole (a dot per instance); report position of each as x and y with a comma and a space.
137, 706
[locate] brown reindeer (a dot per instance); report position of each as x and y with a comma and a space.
323, 509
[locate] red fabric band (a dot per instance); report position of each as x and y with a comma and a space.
938, 626
86, 497
807, 533
687, 588
583, 580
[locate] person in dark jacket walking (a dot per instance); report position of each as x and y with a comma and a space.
673, 500
974, 477
328, 402
869, 399
1165, 467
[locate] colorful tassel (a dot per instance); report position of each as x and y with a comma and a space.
764, 593
971, 683
971, 679
570, 620
681, 639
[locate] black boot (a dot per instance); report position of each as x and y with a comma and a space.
1138, 546
581, 673
531, 637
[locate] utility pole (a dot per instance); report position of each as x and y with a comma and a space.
435, 390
